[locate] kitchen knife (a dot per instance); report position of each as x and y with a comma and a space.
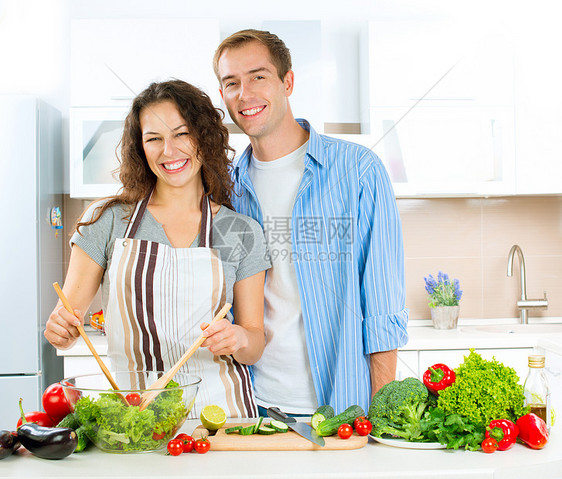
299, 427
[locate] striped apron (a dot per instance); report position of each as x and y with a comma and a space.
158, 296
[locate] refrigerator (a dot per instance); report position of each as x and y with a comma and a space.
31, 250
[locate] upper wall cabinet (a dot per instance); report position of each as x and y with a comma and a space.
538, 117
111, 62
441, 107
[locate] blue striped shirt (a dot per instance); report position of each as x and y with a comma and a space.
348, 255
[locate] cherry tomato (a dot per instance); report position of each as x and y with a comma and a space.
38, 417
188, 442
362, 425
489, 445
157, 436
202, 445
175, 447
54, 401
345, 431
133, 399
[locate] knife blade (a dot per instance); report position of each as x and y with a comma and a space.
301, 428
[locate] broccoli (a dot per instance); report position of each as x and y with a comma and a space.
397, 408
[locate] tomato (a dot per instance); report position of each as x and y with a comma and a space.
38, 417
157, 436
187, 440
54, 401
345, 431
202, 445
72, 395
133, 399
489, 445
362, 425
175, 447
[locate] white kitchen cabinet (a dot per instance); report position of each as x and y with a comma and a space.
539, 102
441, 106
94, 149
517, 358
77, 365
112, 60
407, 365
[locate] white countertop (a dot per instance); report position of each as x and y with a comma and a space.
372, 461
422, 337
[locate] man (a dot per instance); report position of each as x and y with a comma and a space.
334, 300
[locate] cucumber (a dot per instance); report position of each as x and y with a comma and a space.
258, 424
248, 430
321, 414
83, 440
279, 426
230, 430
330, 426
69, 421
268, 431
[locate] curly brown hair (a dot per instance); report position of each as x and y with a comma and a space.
206, 128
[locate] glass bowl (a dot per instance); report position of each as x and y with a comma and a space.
116, 425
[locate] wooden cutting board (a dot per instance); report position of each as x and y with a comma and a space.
281, 441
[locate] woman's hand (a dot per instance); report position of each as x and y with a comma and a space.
223, 337
61, 329
245, 339
82, 281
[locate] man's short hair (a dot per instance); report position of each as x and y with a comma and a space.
278, 51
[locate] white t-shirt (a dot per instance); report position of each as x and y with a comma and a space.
285, 358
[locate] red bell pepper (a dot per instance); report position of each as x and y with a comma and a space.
533, 431
504, 431
438, 377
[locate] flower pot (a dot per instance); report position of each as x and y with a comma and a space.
445, 317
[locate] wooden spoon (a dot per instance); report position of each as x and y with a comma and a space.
86, 339
162, 381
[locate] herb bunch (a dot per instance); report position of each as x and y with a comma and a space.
443, 292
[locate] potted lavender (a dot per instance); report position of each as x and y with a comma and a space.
444, 297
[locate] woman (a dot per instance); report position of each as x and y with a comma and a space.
151, 249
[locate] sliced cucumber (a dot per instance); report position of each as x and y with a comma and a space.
268, 431
258, 424
247, 431
230, 430
279, 426
321, 414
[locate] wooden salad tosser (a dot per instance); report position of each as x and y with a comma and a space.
156, 387
86, 339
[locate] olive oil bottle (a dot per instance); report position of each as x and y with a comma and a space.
536, 390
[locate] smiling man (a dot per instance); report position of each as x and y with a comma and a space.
334, 300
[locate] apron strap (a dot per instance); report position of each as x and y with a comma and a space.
136, 217
206, 233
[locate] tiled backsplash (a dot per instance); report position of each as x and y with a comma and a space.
470, 238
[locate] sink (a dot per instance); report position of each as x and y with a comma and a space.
517, 328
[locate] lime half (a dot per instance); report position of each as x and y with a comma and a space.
213, 417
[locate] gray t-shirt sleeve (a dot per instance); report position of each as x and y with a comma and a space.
94, 239
257, 258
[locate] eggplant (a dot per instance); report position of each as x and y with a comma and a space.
8, 443
46, 442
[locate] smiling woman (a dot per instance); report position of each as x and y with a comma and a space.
151, 247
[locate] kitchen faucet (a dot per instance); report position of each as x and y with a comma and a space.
524, 304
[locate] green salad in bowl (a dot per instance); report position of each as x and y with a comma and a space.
114, 422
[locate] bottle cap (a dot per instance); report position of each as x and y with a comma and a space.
536, 361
